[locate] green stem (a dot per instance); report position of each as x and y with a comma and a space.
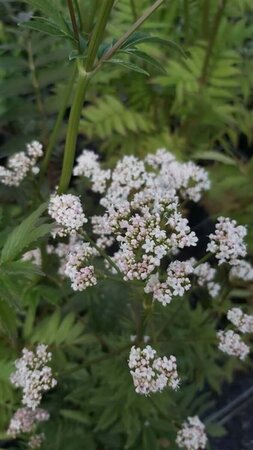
204, 259
56, 129
81, 88
101, 252
74, 24
98, 33
211, 42
88, 17
78, 14
73, 123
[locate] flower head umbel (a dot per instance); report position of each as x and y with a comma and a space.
188, 179
20, 164
176, 283
243, 271
243, 322
227, 243
25, 420
192, 435
232, 344
88, 166
151, 373
36, 440
78, 269
205, 277
33, 376
67, 211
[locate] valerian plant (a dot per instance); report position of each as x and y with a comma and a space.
118, 318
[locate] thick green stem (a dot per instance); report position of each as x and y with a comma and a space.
98, 33
74, 23
73, 124
88, 16
78, 13
58, 122
81, 88
211, 42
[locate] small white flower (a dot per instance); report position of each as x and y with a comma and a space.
33, 375
67, 211
25, 420
227, 243
20, 164
242, 271
192, 435
243, 322
36, 440
232, 344
151, 373
81, 274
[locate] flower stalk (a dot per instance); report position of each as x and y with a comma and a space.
81, 88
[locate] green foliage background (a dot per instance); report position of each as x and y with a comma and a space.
197, 103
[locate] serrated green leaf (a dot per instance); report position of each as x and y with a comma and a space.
24, 234
50, 9
128, 65
139, 38
215, 156
44, 26
26, 268
145, 57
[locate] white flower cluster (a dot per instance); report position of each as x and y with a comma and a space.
144, 237
150, 373
142, 201
232, 344
20, 164
81, 275
25, 420
67, 211
227, 243
205, 276
192, 435
36, 440
176, 284
243, 322
88, 166
242, 271
33, 256
33, 375
188, 179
